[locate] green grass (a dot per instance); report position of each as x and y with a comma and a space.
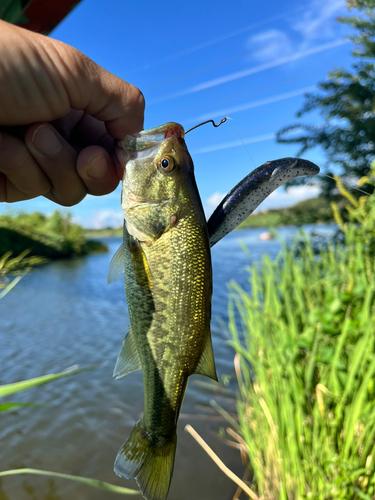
15, 388
54, 236
312, 211
12, 269
304, 338
95, 483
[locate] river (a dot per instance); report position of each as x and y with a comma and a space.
63, 314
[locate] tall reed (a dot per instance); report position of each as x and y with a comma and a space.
305, 344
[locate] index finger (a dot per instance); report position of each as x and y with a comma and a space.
100, 93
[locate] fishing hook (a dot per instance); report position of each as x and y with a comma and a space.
208, 121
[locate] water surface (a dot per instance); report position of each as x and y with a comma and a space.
63, 314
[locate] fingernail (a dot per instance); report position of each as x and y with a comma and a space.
98, 168
45, 141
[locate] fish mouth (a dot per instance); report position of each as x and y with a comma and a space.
152, 137
163, 132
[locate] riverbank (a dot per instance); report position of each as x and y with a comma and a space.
311, 211
107, 232
53, 237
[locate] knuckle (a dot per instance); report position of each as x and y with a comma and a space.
141, 100
136, 98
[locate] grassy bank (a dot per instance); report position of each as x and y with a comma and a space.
54, 236
107, 232
312, 211
305, 363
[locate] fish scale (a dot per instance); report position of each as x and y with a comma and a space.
168, 287
168, 284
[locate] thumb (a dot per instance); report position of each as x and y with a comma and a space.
42, 78
99, 93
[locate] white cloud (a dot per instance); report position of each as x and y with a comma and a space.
285, 198
233, 144
251, 71
213, 41
319, 19
100, 219
108, 218
252, 104
212, 202
269, 45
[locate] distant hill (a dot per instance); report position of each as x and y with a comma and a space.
311, 211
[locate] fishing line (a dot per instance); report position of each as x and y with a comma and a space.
346, 184
240, 138
223, 120
218, 125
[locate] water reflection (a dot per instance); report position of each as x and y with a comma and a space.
64, 314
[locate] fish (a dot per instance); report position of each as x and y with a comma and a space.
168, 287
166, 262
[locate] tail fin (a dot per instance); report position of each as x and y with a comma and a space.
150, 465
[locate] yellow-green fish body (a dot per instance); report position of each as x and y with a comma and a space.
168, 286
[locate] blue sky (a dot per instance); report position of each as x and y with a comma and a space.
198, 60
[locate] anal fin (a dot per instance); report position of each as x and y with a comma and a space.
128, 360
206, 365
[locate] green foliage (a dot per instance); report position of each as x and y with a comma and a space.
360, 214
306, 366
53, 236
108, 232
13, 269
311, 211
85, 480
346, 102
8, 389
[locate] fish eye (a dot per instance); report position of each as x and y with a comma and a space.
166, 164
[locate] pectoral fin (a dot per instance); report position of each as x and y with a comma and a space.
128, 360
116, 267
206, 365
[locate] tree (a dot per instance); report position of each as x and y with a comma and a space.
347, 103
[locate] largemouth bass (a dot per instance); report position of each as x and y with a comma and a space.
168, 287
165, 257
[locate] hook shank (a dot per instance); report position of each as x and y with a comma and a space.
208, 121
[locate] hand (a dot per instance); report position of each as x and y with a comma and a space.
59, 115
